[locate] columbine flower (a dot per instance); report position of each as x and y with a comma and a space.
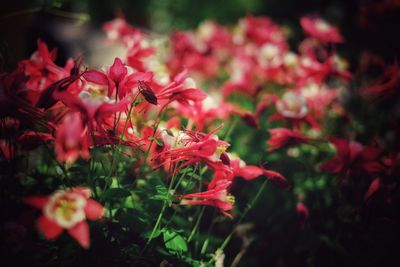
41, 69
91, 109
183, 89
281, 137
292, 106
113, 78
352, 157
117, 78
321, 30
67, 210
217, 197
118, 29
71, 139
239, 168
386, 86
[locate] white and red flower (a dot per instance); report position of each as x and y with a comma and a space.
217, 197
67, 210
320, 29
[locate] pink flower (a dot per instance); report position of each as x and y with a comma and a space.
320, 29
67, 210
282, 137
217, 197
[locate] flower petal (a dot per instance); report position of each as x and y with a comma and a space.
373, 187
117, 71
84, 191
80, 232
276, 177
94, 210
36, 201
96, 76
249, 172
48, 228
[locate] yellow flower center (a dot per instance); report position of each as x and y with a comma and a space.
65, 208
230, 198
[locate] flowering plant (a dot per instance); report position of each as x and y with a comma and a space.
156, 147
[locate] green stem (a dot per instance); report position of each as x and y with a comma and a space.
205, 244
196, 226
154, 134
128, 118
158, 222
246, 211
230, 129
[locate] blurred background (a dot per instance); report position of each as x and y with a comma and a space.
75, 25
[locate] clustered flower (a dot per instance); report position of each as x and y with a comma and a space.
156, 108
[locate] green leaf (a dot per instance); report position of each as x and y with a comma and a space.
174, 242
162, 194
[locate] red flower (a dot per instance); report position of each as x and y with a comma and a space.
217, 197
91, 110
71, 139
321, 30
205, 112
47, 99
67, 210
247, 172
262, 30
117, 78
353, 157
250, 172
41, 69
293, 108
386, 86
135, 56
113, 78
183, 89
281, 137
119, 29
17, 102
